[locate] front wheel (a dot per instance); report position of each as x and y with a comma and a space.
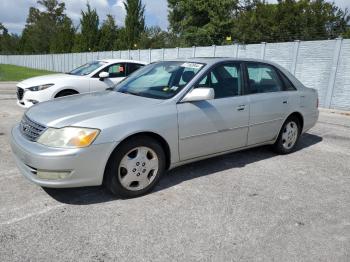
288, 136
135, 167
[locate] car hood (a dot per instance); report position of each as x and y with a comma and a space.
77, 110
46, 79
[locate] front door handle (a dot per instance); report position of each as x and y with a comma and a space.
240, 108
285, 102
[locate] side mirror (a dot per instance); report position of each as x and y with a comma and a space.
103, 75
199, 94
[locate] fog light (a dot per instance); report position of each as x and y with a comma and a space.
33, 101
53, 175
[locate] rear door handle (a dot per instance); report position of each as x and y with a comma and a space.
240, 108
285, 102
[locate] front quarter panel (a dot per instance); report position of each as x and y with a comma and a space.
117, 126
81, 85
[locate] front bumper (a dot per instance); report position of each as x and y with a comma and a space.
86, 165
29, 98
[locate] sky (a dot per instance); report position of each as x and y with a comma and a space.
13, 13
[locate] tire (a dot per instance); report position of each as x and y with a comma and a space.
66, 93
288, 136
135, 167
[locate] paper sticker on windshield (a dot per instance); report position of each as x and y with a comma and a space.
192, 65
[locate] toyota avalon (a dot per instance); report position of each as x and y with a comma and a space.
166, 114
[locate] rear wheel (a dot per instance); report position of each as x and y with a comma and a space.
135, 167
66, 93
288, 136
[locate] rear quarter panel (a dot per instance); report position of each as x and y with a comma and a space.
309, 107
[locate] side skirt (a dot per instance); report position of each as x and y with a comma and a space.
191, 160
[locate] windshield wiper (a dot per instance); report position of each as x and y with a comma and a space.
130, 93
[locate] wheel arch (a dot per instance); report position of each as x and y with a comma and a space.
153, 135
64, 89
293, 114
299, 116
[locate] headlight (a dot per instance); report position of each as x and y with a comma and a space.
39, 88
68, 137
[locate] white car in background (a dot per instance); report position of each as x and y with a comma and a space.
91, 77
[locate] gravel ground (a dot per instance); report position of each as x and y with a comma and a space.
246, 206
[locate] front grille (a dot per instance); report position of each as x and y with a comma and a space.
30, 129
20, 92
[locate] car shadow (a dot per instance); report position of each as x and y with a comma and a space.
93, 195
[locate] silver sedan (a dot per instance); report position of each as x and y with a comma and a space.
164, 115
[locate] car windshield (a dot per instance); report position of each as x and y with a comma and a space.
161, 80
87, 68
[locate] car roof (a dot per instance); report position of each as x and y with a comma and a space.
214, 60
122, 61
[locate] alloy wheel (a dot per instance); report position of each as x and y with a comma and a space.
138, 168
290, 135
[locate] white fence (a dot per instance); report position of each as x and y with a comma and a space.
323, 65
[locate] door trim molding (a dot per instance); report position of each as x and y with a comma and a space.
214, 132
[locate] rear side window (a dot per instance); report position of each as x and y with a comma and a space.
263, 79
288, 86
133, 67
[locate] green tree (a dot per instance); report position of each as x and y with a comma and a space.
255, 24
120, 42
88, 39
202, 22
108, 34
134, 22
290, 20
8, 42
63, 40
42, 26
154, 37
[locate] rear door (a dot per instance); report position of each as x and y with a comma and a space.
268, 102
218, 125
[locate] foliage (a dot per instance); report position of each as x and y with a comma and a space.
108, 34
201, 22
134, 22
63, 40
8, 42
154, 37
88, 39
191, 22
290, 20
42, 28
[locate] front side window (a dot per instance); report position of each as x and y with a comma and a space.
224, 79
263, 79
87, 68
116, 70
160, 80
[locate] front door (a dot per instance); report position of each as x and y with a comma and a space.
218, 125
117, 72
